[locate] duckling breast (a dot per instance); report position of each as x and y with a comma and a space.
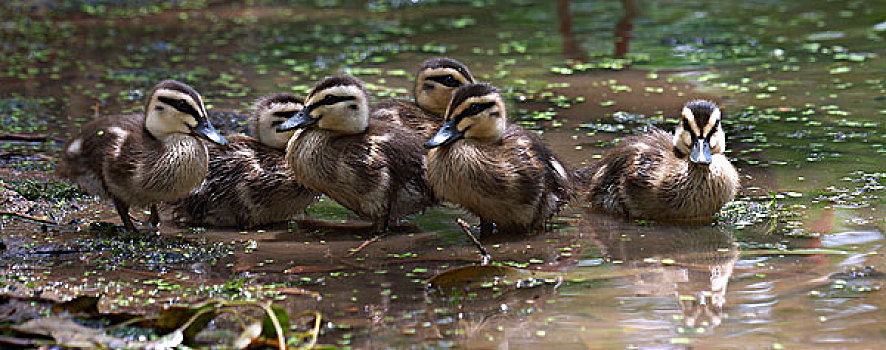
697, 191
484, 182
350, 169
179, 167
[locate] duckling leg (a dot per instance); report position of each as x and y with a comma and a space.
155, 216
384, 224
123, 211
486, 227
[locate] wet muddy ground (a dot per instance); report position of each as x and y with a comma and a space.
795, 262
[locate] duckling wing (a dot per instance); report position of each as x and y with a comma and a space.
406, 162
624, 180
100, 142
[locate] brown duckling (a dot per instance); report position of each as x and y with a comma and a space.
502, 173
144, 159
657, 175
435, 81
249, 183
374, 168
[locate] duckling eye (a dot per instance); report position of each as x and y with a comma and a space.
352, 106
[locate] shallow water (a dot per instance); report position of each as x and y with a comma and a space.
801, 83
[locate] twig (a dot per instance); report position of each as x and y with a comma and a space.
365, 244
467, 230
29, 217
281, 339
28, 137
347, 263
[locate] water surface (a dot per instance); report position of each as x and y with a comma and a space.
801, 84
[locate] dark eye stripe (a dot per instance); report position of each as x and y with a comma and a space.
285, 114
474, 109
180, 105
446, 80
713, 129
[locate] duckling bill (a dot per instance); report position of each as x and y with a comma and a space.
672, 177
139, 160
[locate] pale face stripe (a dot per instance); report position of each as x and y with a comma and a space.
438, 72
687, 113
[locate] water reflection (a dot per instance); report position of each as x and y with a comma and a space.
571, 47
624, 27
622, 36
690, 265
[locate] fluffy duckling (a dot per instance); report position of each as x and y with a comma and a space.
502, 173
435, 81
657, 175
249, 183
138, 160
374, 168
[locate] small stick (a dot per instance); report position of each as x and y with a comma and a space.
365, 244
467, 230
28, 217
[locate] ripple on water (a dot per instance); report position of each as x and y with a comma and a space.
850, 238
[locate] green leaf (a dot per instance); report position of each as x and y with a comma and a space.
267, 329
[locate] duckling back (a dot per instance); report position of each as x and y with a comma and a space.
408, 115
248, 184
643, 178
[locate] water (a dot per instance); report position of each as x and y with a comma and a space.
801, 83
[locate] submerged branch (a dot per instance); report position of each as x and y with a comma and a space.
28, 217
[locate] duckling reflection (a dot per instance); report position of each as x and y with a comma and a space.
691, 264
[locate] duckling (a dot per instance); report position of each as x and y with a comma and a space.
374, 168
435, 81
139, 160
657, 175
502, 173
249, 183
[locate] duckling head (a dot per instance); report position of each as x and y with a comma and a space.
271, 111
175, 108
338, 104
476, 112
437, 78
699, 134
